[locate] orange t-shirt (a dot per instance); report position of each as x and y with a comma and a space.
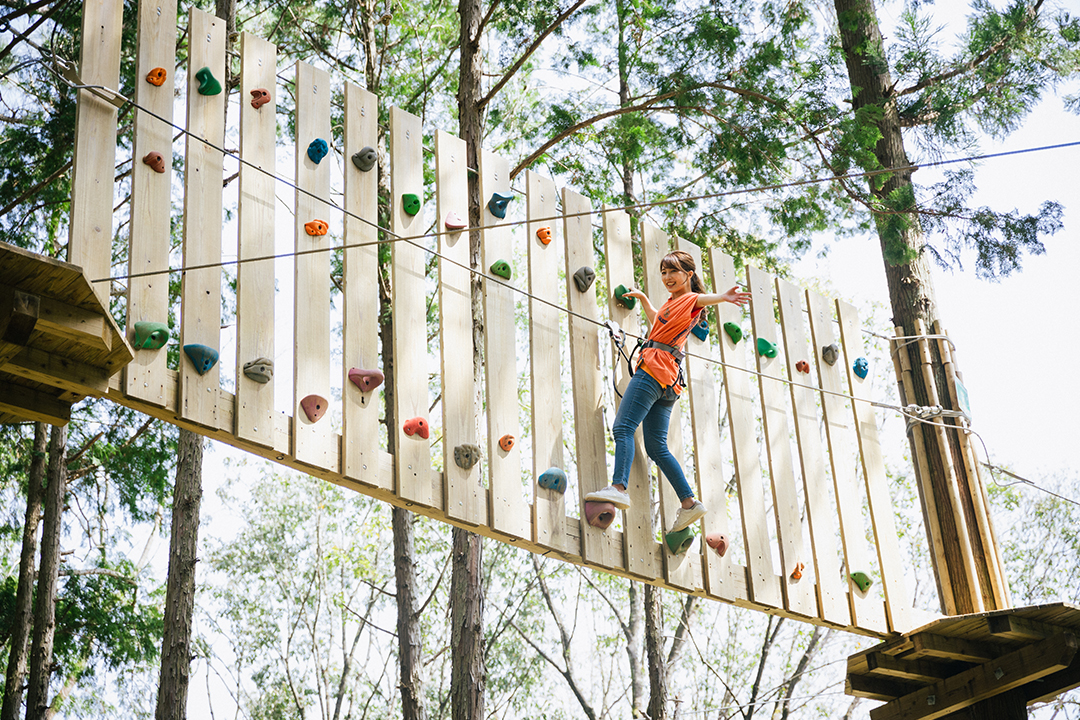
672, 323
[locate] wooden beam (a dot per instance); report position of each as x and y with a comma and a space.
982, 682
876, 688
31, 404
58, 371
921, 671
1011, 627
84, 327
19, 313
928, 645
1047, 688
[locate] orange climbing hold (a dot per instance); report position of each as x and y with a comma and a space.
155, 161
157, 76
544, 235
316, 227
796, 574
314, 406
506, 442
416, 426
259, 97
718, 542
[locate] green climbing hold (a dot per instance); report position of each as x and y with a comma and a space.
502, 269
151, 335
733, 331
627, 302
208, 84
679, 541
862, 580
766, 348
410, 203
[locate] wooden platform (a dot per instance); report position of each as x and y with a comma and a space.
57, 343
995, 663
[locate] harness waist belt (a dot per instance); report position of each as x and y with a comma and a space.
675, 352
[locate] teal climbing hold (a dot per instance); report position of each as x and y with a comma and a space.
497, 204
151, 335
201, 356
766, 348
862, 367
733, 331
553, 479
502, 269
679, 541
208, 84
862, 580
410, 203
317, 150
620, 296
701, 330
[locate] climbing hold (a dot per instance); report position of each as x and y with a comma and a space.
410, 203
679, 541
620, 296
366, 380
154, 161
830, 353
766, 348
862, 367
802, 366
553, 479
259, 97
796, 574
314, 406
202, 357
260, 370
862, 580
365, 158
544, 235
316, 227
157, 76
467, 455
718, 542
416, 426
583, 278
701, 330
151, 335
733, 331
453, 221
497, 204
208, 84
502, 269
599, 514
317, 150
506, 442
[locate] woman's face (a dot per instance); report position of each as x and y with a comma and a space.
676, 280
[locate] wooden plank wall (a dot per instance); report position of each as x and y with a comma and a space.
796, 490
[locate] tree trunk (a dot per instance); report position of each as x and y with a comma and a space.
23, 615
634, 644
37, 694
180, 587
654, 653
911, 294
408, 622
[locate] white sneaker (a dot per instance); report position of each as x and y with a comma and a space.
688, 516
610, 495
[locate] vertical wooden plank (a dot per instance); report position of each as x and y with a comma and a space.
764, 585
200, 290
94, 154
312, 441
360, 446
719, 580
820, 509
509, 512
639, 541
897, 600
545, 389
255, 217
465, 499
150, 234
598, 546
798, 594
412, 454
866, 610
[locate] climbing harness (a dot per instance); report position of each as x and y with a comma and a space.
618, 337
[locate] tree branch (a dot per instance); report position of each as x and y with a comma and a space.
65, 572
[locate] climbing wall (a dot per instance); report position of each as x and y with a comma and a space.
775, 428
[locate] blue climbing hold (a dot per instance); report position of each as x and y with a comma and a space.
862, 367
317, 150
497, 204
701, 330
202, 357
553, 479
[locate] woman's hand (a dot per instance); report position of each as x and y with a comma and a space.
735, 297
636, 294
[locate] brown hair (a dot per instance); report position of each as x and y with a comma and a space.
682, 260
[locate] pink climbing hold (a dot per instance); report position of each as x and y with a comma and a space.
416, 426
718, 542
453, 221
599, 514
366, 380
314, 406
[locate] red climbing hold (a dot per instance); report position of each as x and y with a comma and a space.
366, 380
544, 235
259, 97
155, 161
718, 542
314, 406
506, 442
416, 426
802, 366
156, 76
599, 514
316, 227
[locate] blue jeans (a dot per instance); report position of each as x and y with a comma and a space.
641, 405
